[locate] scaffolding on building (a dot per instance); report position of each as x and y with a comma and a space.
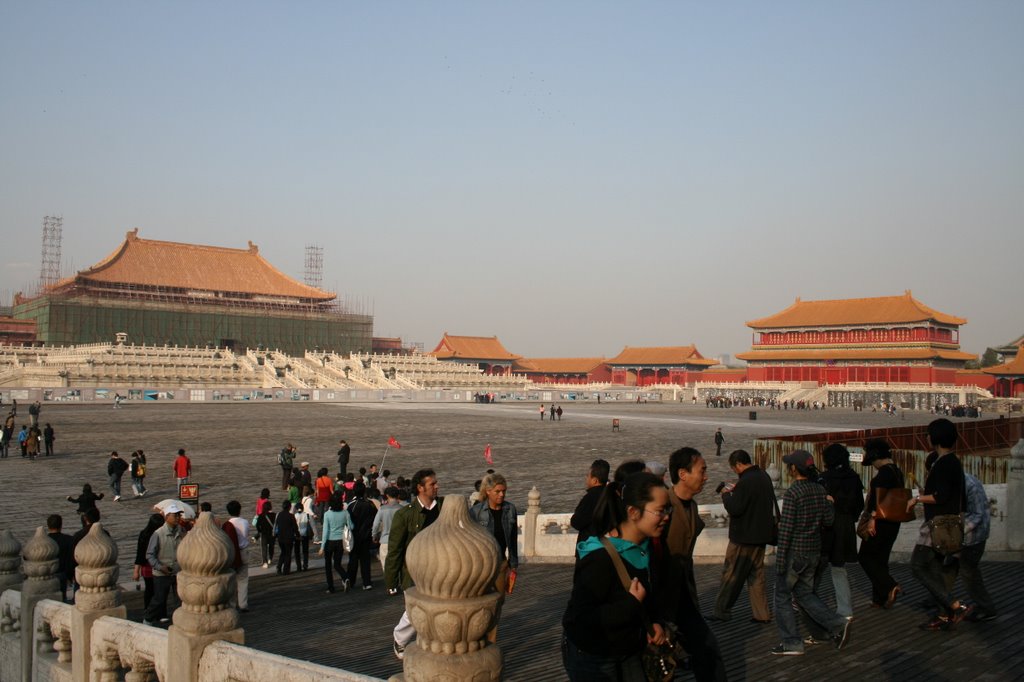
49, 270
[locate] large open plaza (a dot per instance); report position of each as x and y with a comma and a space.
234, 447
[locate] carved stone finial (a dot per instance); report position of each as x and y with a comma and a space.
533, 497
454, 562
97, 571
40, 556
10, 561
206, 581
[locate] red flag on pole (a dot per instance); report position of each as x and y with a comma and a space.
487, 454
392, 443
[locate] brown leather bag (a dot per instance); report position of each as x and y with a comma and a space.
891, 504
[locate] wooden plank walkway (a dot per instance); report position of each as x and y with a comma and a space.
293, 616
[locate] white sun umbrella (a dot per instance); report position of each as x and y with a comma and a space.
189, 511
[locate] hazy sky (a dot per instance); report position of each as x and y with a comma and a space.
570, 176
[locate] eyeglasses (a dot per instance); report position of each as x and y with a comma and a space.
663, 513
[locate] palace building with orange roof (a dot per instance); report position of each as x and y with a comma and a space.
887, 339
647, 366
162, 292
1009, 376
564, 370
486, 352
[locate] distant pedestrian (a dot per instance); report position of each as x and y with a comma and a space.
138, 473
286, 531
344, 455
32, 443
304, 524
336, 520
115, 470
48, 438
87, 500
238, 530
558, 412
265, 519
719, 439
23, 440
362, 513
552, 412
65, 553
285, 460
141, 570
542, 412
381, 530
33, 413
182, 467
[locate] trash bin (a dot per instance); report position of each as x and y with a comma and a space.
753, 416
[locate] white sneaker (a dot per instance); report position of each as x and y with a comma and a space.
117, 498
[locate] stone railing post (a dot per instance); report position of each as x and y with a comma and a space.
1015, 498
97, 596
205, 585
530, 522
40, 561
10, 562
453, 605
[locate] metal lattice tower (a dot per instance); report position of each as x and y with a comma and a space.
49, 271
314, 276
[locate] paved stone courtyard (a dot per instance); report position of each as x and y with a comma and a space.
234, 448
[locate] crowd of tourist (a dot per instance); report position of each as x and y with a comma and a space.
634, 586
634, 595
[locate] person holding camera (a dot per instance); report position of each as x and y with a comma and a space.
750, 503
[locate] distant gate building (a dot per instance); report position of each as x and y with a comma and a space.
171, 293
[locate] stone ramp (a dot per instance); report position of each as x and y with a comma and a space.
293, 616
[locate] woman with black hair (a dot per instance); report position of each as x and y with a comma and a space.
846, 493
607, 626
142, 569
336, 520
875, 550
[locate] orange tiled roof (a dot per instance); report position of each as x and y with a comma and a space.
1013, 367
173, 265
471, 348
921, 353
558, 365
879, 310
661, 355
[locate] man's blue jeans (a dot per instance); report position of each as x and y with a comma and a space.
797, 582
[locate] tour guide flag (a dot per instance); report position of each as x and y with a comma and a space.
392, 443
487, 454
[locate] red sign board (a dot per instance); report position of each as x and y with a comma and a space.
188, 492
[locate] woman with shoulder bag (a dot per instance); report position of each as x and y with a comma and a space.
877, 546
608, 622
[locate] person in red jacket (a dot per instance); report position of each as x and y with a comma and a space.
182, 467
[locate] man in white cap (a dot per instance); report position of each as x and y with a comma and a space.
162, 555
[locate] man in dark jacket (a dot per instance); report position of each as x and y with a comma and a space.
115, 470
751, 505
597, 480
65, 553
344, 454
407, 522
362, 512
287, 531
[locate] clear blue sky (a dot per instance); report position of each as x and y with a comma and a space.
570, 176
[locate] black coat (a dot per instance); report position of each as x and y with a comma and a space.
839, 542
751, 507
